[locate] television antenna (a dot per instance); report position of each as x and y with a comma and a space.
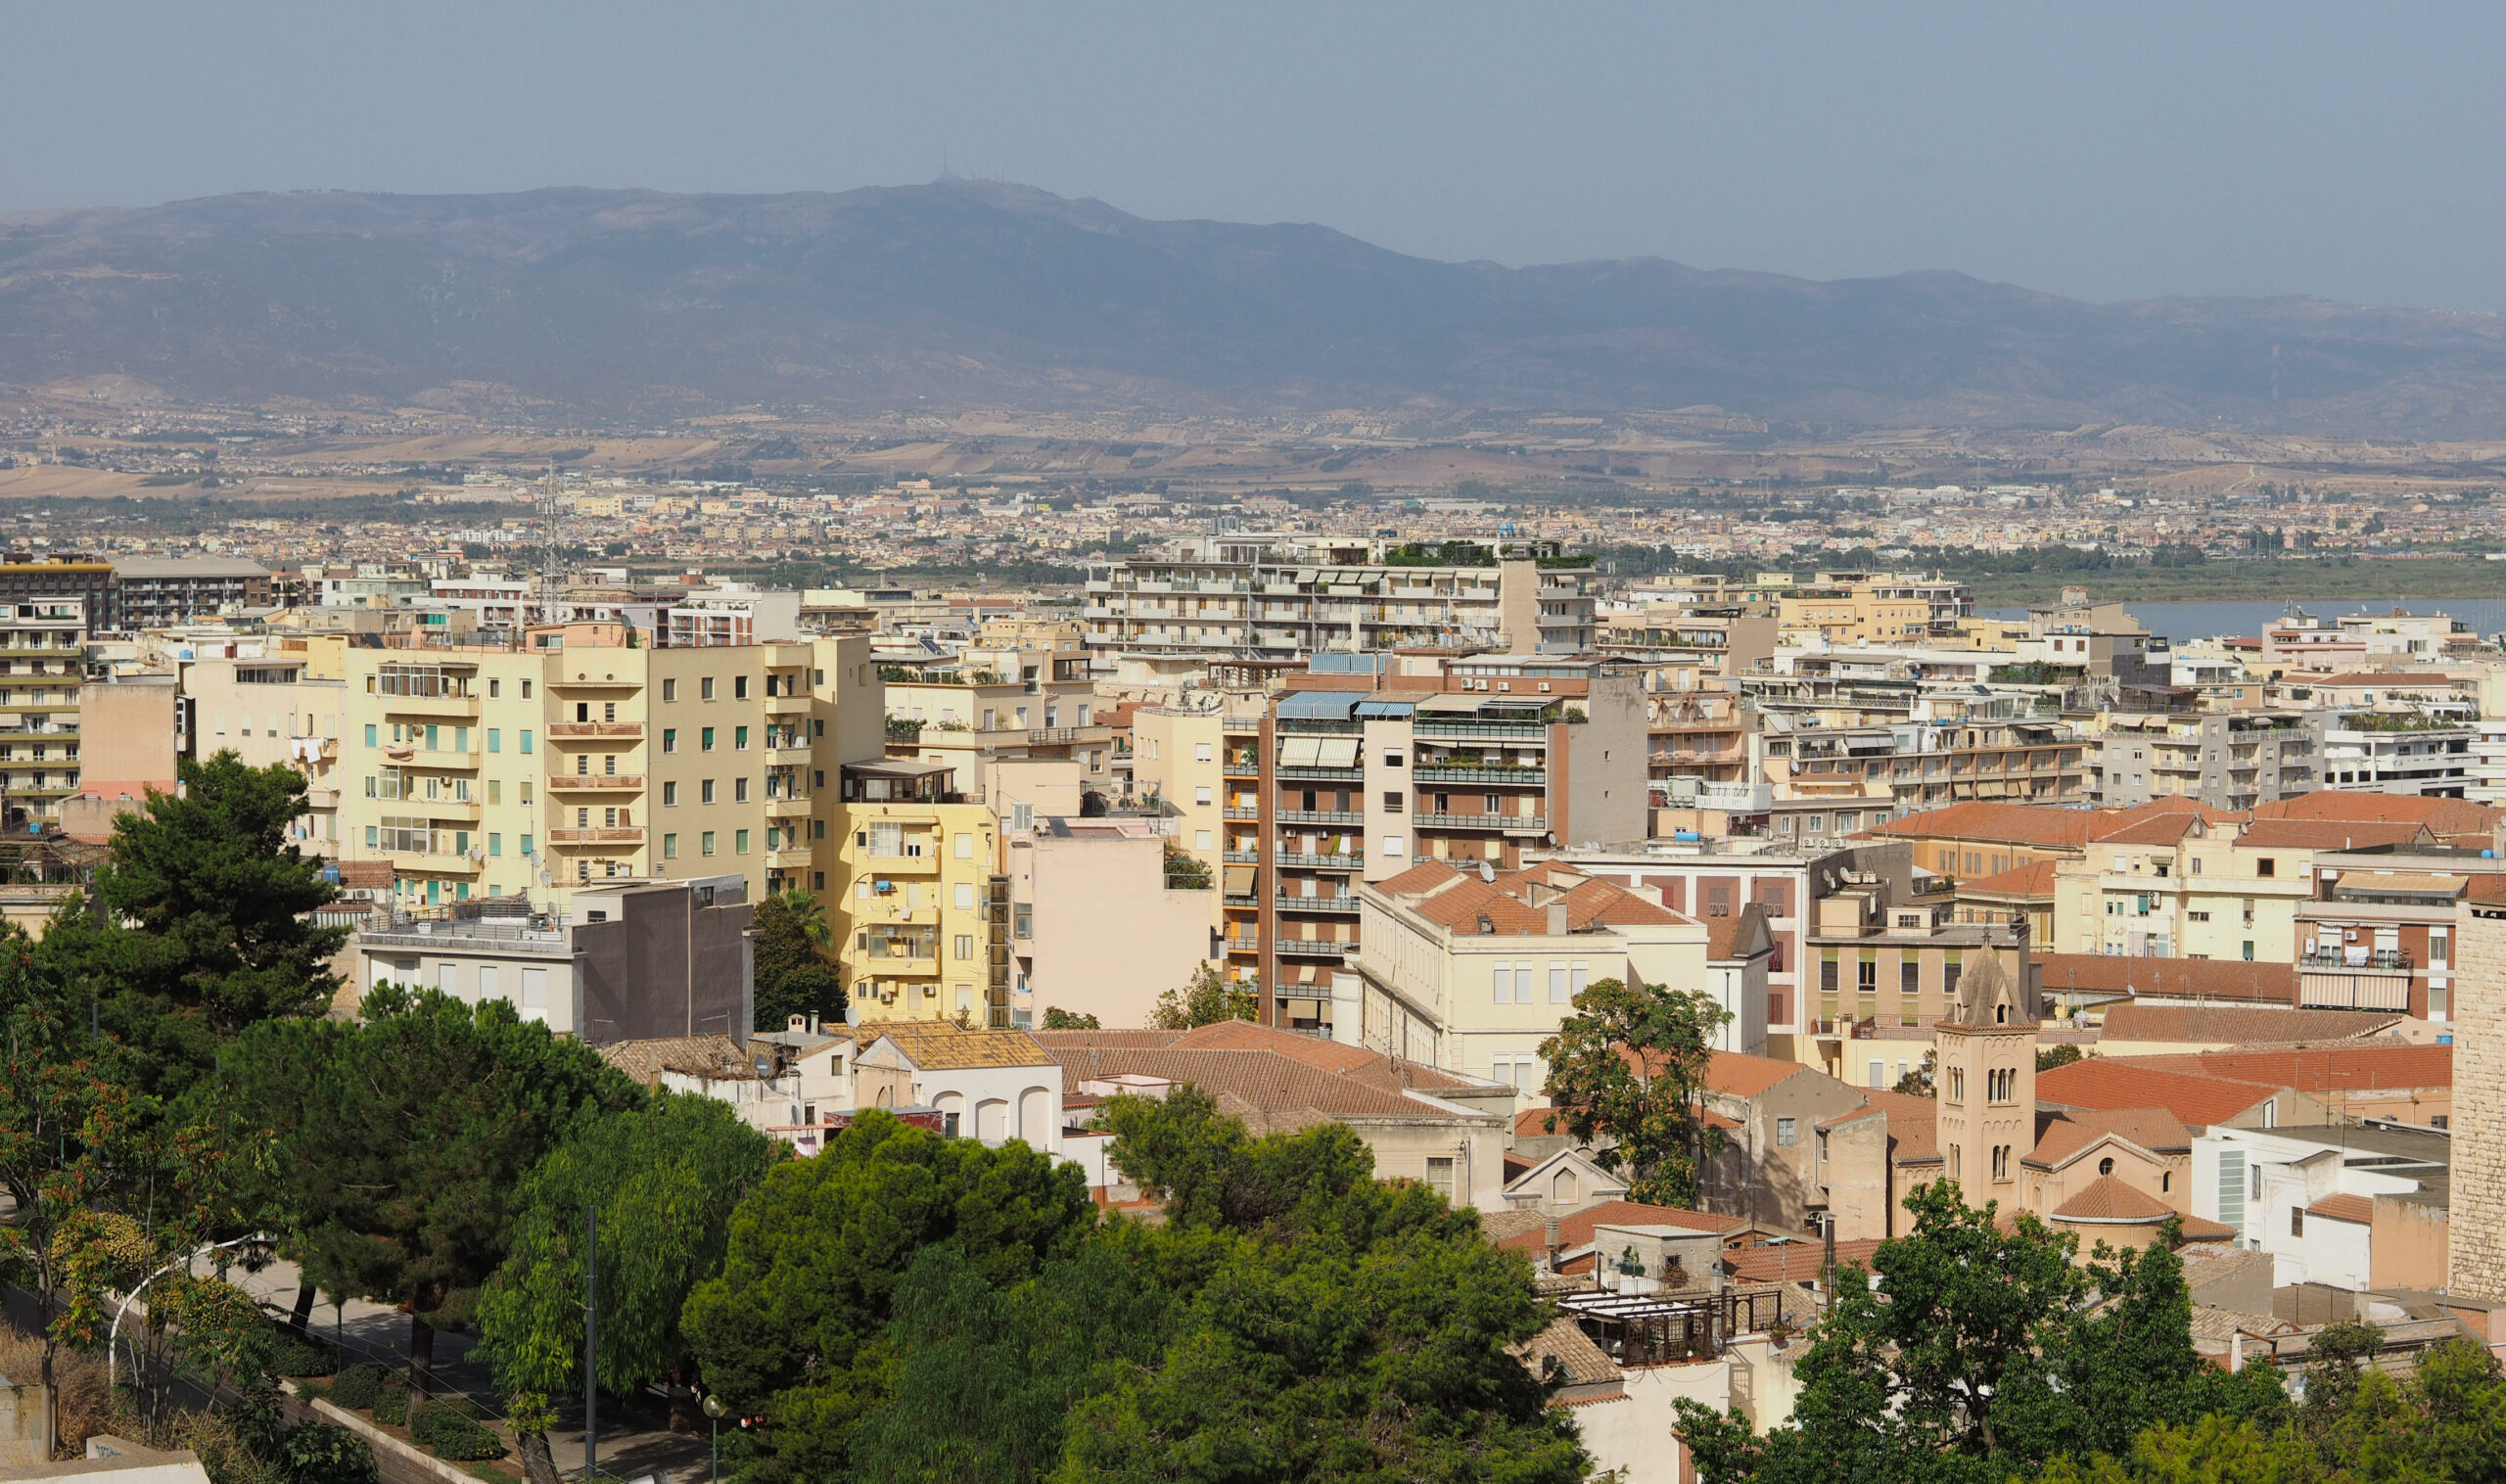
553, 582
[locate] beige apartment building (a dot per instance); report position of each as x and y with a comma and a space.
2194, 889
583, 759
915, 873
274, 711
43, 663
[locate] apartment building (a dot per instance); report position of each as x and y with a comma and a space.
2232, 761
583, 759
2377, 929
1290, 594
1891, 958
23, 578
1470, 970
1701, 640
150, 592
43, 663
1341, 779
2396, 752
2217, 889
997, 703
1833, 768
917, 874
1870, 608
275, 710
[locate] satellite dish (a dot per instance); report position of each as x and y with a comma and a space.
1487, 873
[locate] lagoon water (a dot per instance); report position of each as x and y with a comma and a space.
2183, 621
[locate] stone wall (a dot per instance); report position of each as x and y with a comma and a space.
2476, 1232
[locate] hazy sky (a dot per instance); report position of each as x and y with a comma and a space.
2108, 151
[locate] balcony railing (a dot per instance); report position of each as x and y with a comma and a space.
1342, 904
1523, 825
1311, 816
1312, 947
1327, 861
1532, 777
1322, 775
2391, 959
1509, 732
571, 782
595, 728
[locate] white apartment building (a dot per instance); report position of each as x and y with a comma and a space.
2396, 752
1282, 596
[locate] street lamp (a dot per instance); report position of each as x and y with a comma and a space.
713, 1409
113, 1355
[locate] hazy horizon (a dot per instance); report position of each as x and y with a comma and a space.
2132, 152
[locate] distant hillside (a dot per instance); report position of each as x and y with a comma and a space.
635, 302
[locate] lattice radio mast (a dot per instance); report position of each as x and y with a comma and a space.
552, 578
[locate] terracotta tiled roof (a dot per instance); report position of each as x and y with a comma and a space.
2314, 1069
2442, 816
2153, 1129
365, 876
937, 1046
2332, 834
2193, 1098
2406, 679
1795, 1262
645, 1061
1580, 1362
2108, 1199
2223, 979
1271, 1091
1507, 905
2016, 824
2345, 1207
1425, 877
2230, 1024
1737, 1075
1725, 936
1576, 1230
2034, 879
2158, 829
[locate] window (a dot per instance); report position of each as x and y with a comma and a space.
495, 739
2297, 1220
966, 944
525, 839
1786, 1132
739, 790
1392, 845
670, 690
964, 844
705, 843
669, 739
1392, 760
526, 741
496, 791
1200, 839
2266, 866
1201, 795
2248, 950
2001, 1162
739, 740
739, 842
1957, 1084
965, 896
1505, 982
495, 844
670, 794
1828, 974
2105, 1166
1440, 1175
495, 687
1200, 752
1022, 920
669, 846
2271, 1114
1392, 803
2440, 947
1557, 984
704, 689
705, 791
1909, 976
369, 735
525, 690
705, 740
739, 688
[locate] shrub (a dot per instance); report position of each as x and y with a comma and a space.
299, 1357
392, 1408
319, 1453
453, 1436
358, 1387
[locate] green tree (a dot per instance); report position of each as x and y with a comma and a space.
2060, 1054
793, 976
1627, 1074
1184, 871
794, 1326
665, 1179
1058, 1019
1204, 999
397, 1147
201, 921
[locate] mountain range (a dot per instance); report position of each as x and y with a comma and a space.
645, 305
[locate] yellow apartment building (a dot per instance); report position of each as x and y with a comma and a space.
920, 895
43, 662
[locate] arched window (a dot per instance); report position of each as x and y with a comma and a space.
2001, 1014
2105, 1166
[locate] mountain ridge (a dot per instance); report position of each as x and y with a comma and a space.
635, 302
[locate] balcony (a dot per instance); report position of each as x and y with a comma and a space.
432, 864
599, 834
1512, 824
619, 729
1312, 947
1241, 945
787, 808
1236, 811
1328, 862
792, 859
1346, 906
1507, 732
796, 756
1526, 777
445, 808
787, 706
1312, 815
917, 862
1320, 774
1242, 857
574, 783
2327, 985
454, 708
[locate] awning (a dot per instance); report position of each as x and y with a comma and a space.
1448, 704
1239, 881
2401, 883
1338, 751
1320, 705
1386, 711
1300, 752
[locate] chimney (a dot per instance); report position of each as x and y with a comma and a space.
1549, 1242
1557, 919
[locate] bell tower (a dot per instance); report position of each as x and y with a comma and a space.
1984, 1083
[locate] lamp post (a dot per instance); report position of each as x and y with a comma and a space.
713, 1409
113, 1339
